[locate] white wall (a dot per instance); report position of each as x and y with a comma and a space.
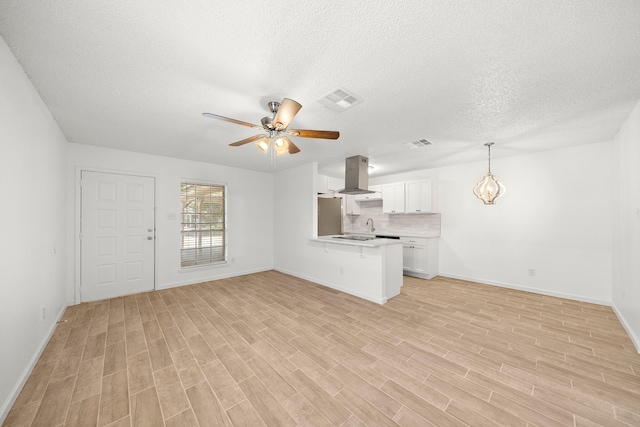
626, 241
32, 224
555, 218
295, 216
249, 211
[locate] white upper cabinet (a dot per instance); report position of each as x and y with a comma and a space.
335, 184
322, 186
419, 197
328, 184
393, 198
371, 196
351, 207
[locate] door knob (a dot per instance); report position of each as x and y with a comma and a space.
149, 238
149, 230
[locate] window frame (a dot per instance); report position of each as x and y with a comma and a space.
200, 261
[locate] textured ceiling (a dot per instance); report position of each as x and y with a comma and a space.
136, 75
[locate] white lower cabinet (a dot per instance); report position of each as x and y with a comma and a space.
414, 254
420, 257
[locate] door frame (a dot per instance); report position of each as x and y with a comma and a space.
77, 247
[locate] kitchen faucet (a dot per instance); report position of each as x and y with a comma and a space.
372, 229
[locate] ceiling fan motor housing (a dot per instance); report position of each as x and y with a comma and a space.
267, 122
273, 107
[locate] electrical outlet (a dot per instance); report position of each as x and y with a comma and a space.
44, 312
341, 270
532, 272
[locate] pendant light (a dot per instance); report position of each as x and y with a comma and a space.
489, 189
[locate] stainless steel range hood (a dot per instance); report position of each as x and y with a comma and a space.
356, 176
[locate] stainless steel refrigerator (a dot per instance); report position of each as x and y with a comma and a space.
329, 216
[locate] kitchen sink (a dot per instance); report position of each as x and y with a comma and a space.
358, 238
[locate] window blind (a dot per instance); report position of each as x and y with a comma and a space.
203, 224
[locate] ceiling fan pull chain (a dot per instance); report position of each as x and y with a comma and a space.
272, 153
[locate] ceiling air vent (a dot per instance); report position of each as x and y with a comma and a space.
417, 144
339, 100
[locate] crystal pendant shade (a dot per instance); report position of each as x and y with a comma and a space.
489, 189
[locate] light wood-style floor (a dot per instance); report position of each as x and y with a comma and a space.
270, 349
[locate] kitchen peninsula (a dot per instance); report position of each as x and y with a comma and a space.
369, 268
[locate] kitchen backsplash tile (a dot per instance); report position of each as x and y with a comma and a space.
393, 224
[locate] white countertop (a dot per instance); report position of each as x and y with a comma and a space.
368, 243
428, 235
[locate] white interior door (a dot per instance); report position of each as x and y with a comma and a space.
117, 237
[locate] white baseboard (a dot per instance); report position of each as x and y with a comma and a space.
528, 289
333, 286
634, 338
209, 279
17, 388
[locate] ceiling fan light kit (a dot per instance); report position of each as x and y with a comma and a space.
275, 129
489, 189
263, 144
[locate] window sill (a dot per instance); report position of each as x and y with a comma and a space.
203, 267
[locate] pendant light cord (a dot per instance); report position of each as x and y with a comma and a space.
489, 144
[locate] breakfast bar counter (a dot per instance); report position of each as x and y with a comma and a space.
367, 268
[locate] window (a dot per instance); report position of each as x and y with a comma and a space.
203, 220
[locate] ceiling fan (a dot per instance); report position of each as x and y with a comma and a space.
274, 128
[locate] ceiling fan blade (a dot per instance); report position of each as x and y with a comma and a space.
321, 134
227, 119
286, 112
293, 148
247, 140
